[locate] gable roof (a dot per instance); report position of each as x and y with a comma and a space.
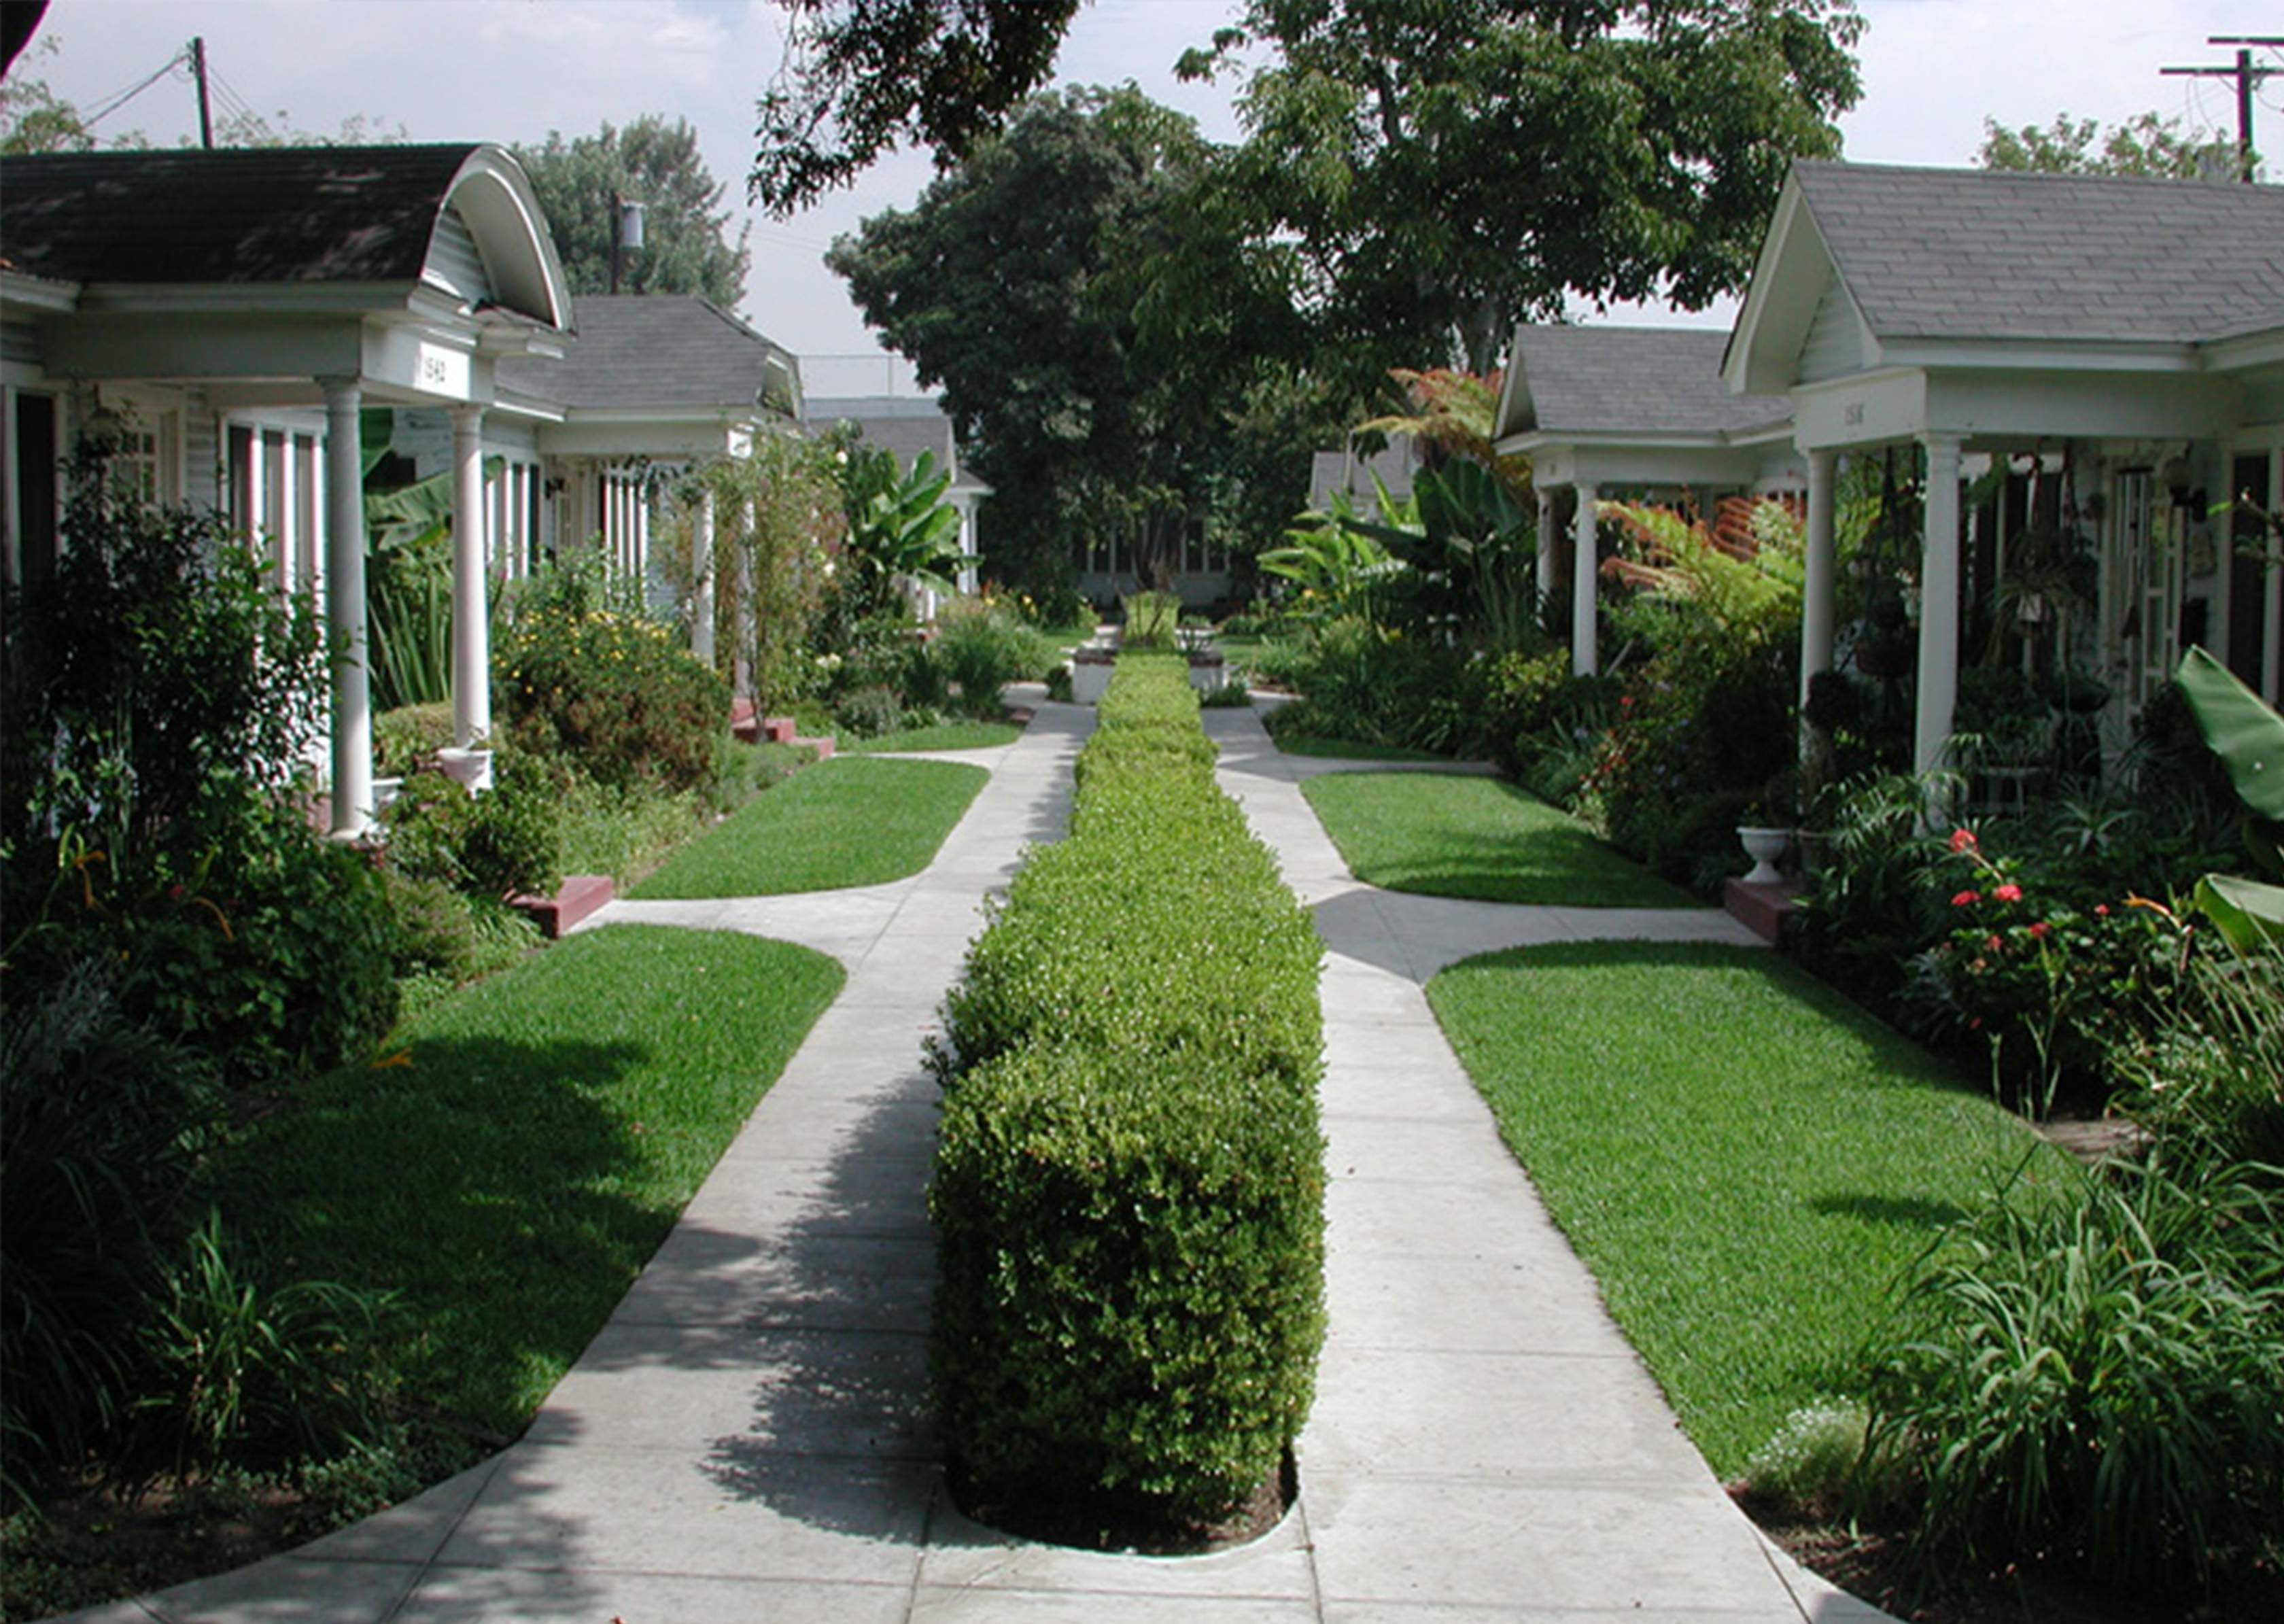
1634, 381
1978, 253
1917, 262
653, 352
277, 217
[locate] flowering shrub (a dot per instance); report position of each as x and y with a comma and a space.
2044, 982
612, 693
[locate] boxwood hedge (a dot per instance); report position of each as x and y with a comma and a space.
1129, 1191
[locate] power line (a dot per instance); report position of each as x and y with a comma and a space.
2249, 77
107, 105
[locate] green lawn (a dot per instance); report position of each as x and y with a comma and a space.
1447, 834
851, 821
519, 1150
1746, 1160
941, 736
1349, 750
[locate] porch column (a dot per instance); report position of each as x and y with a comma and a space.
1938, 683
345, 621
701, 569
472, 648
1816, 586
1583, 577
2272, 655
1546, 571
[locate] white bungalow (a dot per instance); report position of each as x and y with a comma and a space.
235, 310
1638, 410
2137, 325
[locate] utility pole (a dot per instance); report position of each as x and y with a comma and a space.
2248, 78
198, 72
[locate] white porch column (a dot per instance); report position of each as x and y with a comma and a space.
1938, 683
701, 569
1546, 570
1583, 578
345, 621
1816, 609
472, 648
742, 666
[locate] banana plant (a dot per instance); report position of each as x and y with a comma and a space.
900, 525
2247, 733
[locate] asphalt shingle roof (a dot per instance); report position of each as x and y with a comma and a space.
1639, 381
1973, 253
637, 350
339, 214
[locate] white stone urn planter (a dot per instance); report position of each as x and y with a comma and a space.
1767, 848
471, 768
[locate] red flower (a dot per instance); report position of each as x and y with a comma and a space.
1962, 839
2102, 910
1994, 944
1967, 898
2008, 893
2038, 931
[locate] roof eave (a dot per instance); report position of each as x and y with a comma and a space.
47, 296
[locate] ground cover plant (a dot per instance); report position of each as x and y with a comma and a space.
1452, 834
1713, 1129
1128, 1190
851, 821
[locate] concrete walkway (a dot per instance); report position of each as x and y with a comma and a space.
747, 1438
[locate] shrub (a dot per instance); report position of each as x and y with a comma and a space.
981, 646
1152, 620
506, 840
1140, 1236
611, 694
257, 1376
2100, 1373
868, 712
1369, 685
101, 1124
1129, 1194
406, 740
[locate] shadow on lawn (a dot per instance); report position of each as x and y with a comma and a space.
488, 1183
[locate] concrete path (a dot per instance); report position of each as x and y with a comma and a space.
747, 1438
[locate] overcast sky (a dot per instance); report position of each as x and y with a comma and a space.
513, 70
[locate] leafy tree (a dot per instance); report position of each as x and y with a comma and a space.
993, 285
34, 118
1442, 168
862, 76
655, 161
2144, 144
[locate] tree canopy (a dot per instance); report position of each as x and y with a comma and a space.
992, 285
2145, 145
1439, 171
862, 76
655, 161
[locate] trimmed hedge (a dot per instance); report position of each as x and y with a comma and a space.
1129, 1193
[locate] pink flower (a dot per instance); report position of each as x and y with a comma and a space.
1993, 944
1967, 898
2102, 910
2039, 932
2008, 893
1962, 839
